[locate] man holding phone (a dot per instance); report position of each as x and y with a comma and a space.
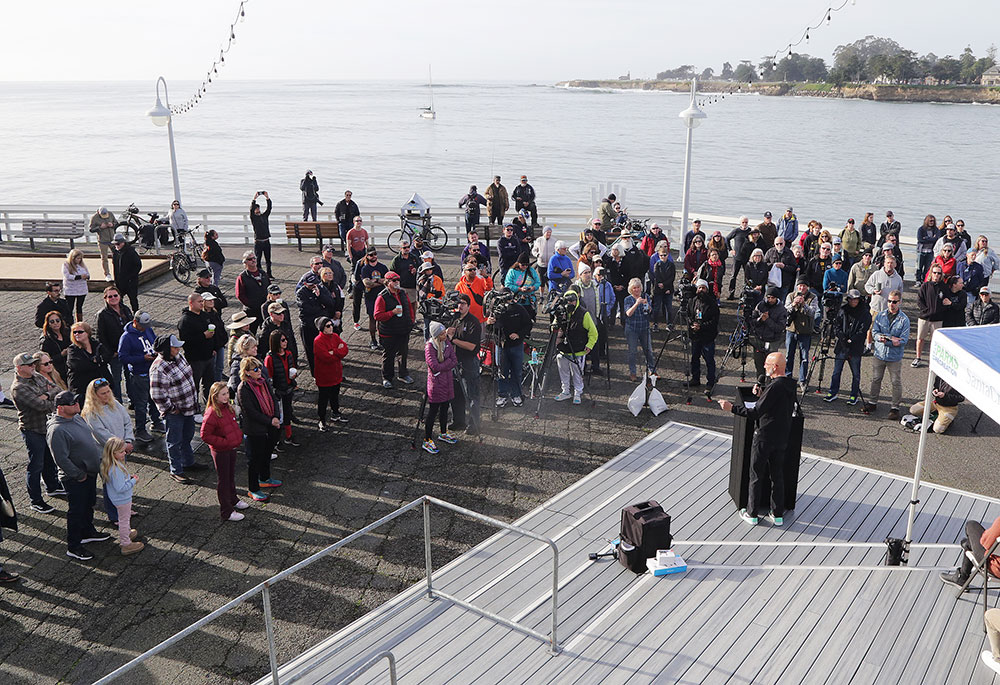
890, 331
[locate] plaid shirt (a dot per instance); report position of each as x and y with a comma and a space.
171, 386
32, 410
639, 321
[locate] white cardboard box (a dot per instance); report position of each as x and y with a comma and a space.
666, 563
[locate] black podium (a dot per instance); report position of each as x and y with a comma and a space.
739, 468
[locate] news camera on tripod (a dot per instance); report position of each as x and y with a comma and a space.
508, 326
766, 326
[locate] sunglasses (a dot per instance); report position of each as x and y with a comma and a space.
49, 363
79, 332
112, 296
893, 301
329, 325
255, 369
101, 382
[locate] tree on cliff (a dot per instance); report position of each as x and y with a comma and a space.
707, 74
727, 71
745, 72
685, 71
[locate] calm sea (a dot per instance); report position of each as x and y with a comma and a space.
91, 143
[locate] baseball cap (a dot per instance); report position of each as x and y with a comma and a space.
426, 266
887, 248
275, 308
701, 283
175, 341
119, 238
371, 250
767, 215
595, 222
853, 294
204, 273
788, 209
584, 268
67, 398
427, 255
391, 276
984, 289
208, 296
24, 359
311, 279
329, 248
837, 240
274, 289
143, 318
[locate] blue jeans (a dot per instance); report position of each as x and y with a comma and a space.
802, 342
663, 306
703, 350
41, 466
216, 272
180, 433
636, 337
838, 368
924, 261
141, 402
511, 362
118, 372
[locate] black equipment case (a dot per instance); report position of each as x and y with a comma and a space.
645, 529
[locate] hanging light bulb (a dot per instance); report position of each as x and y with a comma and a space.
827, 16
807, 37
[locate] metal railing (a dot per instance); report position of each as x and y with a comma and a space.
264, 588
360, 670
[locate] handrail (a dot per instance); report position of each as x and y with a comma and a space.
371, 662
264, 588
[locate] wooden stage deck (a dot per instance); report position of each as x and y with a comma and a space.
741, 614
20, 271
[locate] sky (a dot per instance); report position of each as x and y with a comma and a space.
539, 41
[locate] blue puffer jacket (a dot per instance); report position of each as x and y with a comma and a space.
133, 346
900, 328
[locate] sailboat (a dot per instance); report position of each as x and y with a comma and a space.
428, 112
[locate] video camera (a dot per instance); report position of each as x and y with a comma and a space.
444, 311
497, 302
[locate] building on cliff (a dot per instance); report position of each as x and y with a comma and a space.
991, 77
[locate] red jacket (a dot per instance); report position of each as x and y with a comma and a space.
221, 432
990, 536
328, 354
947, 267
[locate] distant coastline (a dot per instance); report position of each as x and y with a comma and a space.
864, 91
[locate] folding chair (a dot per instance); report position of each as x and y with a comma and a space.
977, 568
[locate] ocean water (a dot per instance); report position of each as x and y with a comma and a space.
91, 143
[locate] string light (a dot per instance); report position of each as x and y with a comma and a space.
221, 62
770, 60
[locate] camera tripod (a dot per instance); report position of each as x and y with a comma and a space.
739, 341
680, 326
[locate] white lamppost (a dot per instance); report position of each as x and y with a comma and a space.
692, 117
161, 117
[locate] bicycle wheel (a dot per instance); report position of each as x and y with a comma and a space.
436, 238
127, 229
182, 266
394, 239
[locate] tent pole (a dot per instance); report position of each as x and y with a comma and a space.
928, 398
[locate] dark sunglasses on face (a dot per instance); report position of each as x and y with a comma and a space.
893, 301
49, 363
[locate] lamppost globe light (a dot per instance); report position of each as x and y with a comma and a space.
692, 116
159, 114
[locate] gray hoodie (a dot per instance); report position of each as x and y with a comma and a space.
73, 447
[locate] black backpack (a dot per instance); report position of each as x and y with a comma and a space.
645, 529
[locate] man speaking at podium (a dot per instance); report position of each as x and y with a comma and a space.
773, 413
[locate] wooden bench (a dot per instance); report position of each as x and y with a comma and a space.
319, 230
52, 228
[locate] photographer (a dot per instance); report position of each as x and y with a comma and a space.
261, 231
523, 282
850, 328
510, 325
576, 338
466, 333
703, 327
310, 196
801, 307
766, 325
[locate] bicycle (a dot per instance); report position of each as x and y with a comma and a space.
131, 225
431, 236
186, 259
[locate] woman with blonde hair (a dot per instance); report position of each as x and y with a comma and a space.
118, 485
260, 423
46, 367
439, 353
75, 278
86, 359
107, 419
222, 433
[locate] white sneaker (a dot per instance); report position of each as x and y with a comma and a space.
242, 505
577, 399
236, 516
274, 455
108, 278
562, 397
990, 662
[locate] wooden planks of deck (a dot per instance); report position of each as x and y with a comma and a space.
741, 614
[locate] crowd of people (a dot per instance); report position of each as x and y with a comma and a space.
236, 375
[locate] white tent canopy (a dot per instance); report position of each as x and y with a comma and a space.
967, 359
